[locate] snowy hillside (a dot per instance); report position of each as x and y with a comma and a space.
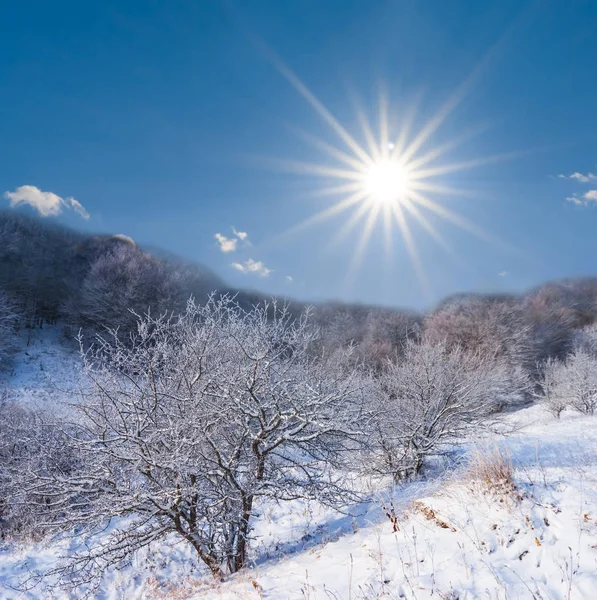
456, 538
44, 370
466, 540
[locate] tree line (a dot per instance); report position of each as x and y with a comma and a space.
53, 274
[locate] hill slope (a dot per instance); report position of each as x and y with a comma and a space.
458, 538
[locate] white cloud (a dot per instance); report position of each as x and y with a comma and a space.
241, 235
229, 244
289, 279
47, 204
584, 199
252, 266
503, 274
226, 244
582, 177
78, 208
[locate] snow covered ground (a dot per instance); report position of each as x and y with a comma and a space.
44, 371
464, 541
450, 538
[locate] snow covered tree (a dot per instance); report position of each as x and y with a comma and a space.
191, 423
554, 386
586, 339
495, 328
572, 382
581, 381
120, 281
386, 334
433, 397
552, 319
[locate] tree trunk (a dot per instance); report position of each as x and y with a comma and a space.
240, 558
211, 561
212, 564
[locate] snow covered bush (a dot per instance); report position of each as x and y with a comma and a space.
193, 421
571, 383
581, 381
554, 381
431, 398
30, 441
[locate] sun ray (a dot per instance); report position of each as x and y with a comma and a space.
329, 149
445, 190
453, 101
405, 129
319, 107
348, 226
336, 190
432, 126
388, 244
458, 220
440, 150
306, 168
387, 230
321, 216
411, 249
383, 125
468, 164
357, 257
368, 133
424, 222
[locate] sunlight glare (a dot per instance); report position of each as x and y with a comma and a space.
389, 176
387, 182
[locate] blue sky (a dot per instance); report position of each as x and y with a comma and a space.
170, 121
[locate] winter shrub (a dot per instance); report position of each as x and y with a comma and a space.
432, 398
30, 441
554, 387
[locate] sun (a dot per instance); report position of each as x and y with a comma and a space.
392, 175
386, 182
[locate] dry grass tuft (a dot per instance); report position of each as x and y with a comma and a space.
181, 590
245, 587
492, 468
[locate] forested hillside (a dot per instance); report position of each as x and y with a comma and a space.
51, 274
